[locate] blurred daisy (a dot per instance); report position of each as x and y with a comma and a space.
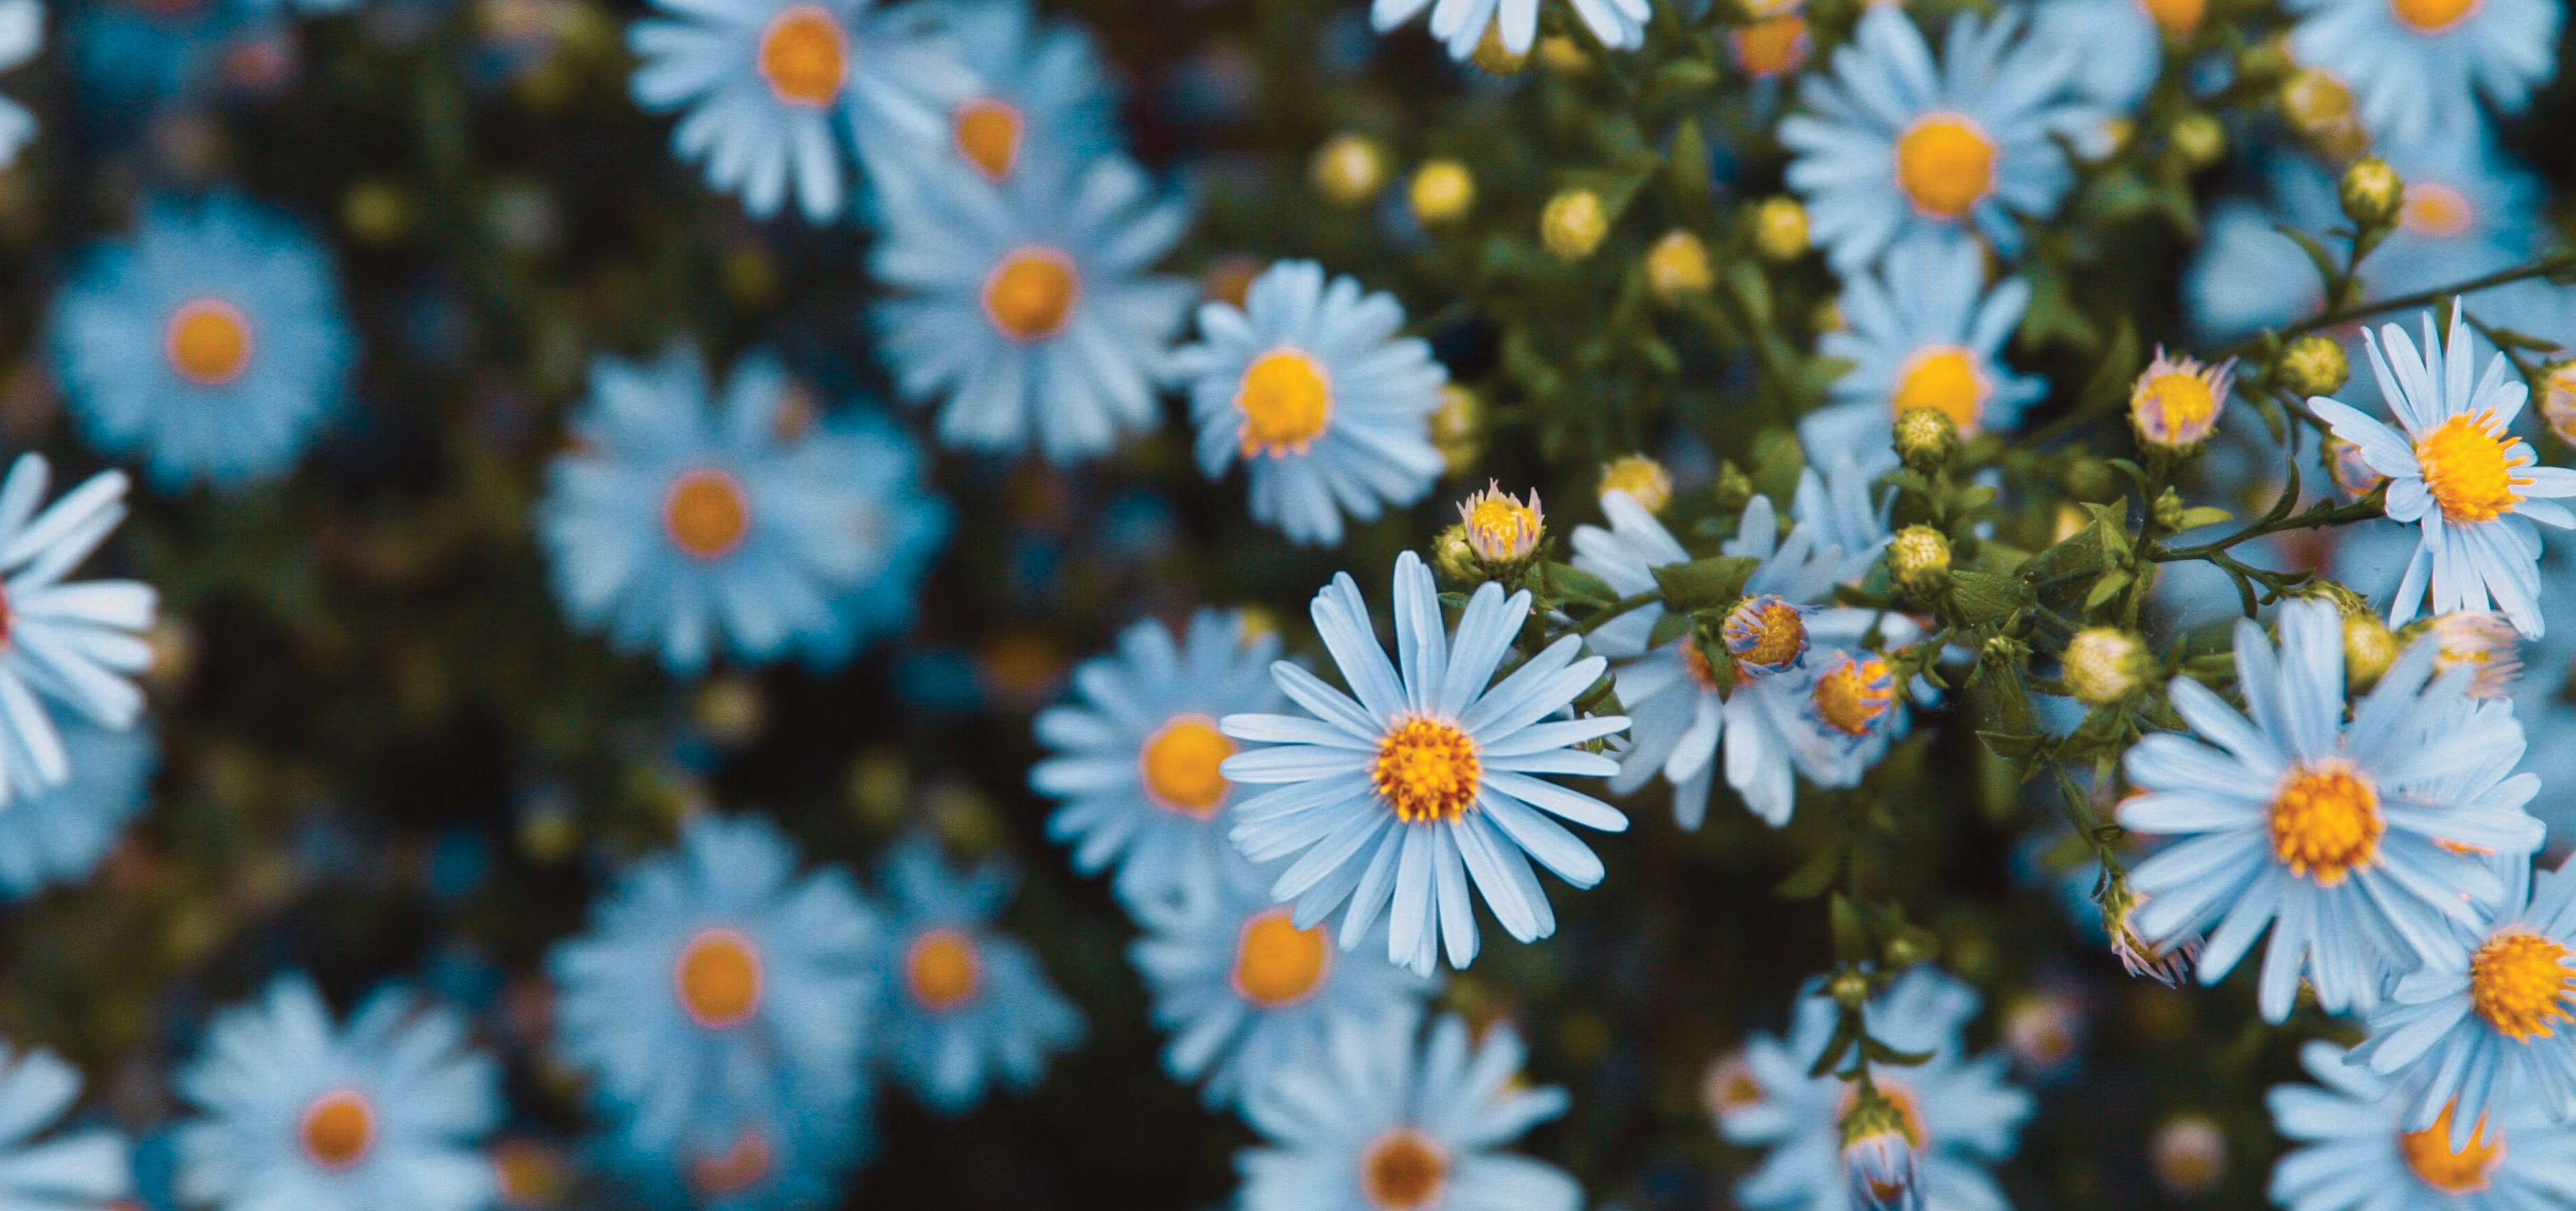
2417, 67
2456, 471
770, 1157
383, 1114
1026, 305
79, 1170
718, 991
1416, 787
1375, 1121
1136, 759
1461, 25
1958, 1114
775, 89
22, 35
1893, 146
969, 1006
1310, 386
679, 523
1923, 332
2353, 841
60, 834
131, 55
211, 345
1245, 993
2356, 1154
2121, 43
75, 644
1039, 91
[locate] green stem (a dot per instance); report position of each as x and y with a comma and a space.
2556, 262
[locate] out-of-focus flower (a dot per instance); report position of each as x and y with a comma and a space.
1677, 266
1881, 1153
1443, 191
22, 35
1641, 479
2188, 1155
1463, 26
968, 1005
2482, 642
85, 1169
1348, 169
1923, 332
2105, 665
770, 1157
2354, 1148
1573, 224
60, 834
2120, 42
1039, 94
2418, 67
78, 643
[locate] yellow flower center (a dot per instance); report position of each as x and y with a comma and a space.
718, 978
1765, 631
2467, 1171
1403, 1170
1286, 401
1031, 293
338, 1129
1943, 377
987, 133
1731, 1086
733, 1170
804, 56
1945, 164
2178, 18
942, 969
2434, 210
1427, 770
208, 342
2175, 409
1180, 766
2325, 822
2434, 16
2465, 467
2520, 984
1642, 478
1277, 964
1774, 46
1500, 527
706, 513
1855, 694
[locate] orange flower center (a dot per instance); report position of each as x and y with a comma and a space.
2519, 982
718, 978
805, 56
2467, 1171
706, 513
1855, 694
1764, 631
1403, 1170
1774, 46
1286, 401
2178, 18
1427, 770
2434, 16
1943, 377
987, 134
1945, 165
338, 1130
2467, 469
733, 1170
942, 969
1031, 293
1277, 964
2435, 210
1180, 765
2325, 822
208, 342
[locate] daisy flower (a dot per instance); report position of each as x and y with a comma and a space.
2355, 1152
2417, 67
1372, 1120
1026, 304
1461, 25
1245, 993
969, 1005
381, 1115
775, 89
2121, 43
1893, 145
78, 1170
1038, 91
1310, 387
779, 1155
1136, 759
1923, 332
60, 834
679, 524
75, 644
1959, 1115
2457, 471
1419, 785
130, 57
212, 344
2351, 840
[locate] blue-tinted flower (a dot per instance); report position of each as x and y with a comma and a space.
1246, 994
61, 833
969, 1005
2454, 469
1312, 388
1924, 332
72, 643
1038, 93
719, 993
1136, 760
1893, 145
80, 1170
1960, 1114
1373, 1120
131, 55
1415, 787
211, 344
384, 1114
2355, 1153
2120, 43
2417, 67
2349, 839
775, 90
1026, 305
22, 35
780, 1155
1461, 24
681, 524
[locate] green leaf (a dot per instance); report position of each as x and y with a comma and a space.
2017, 747
1715, 583
2107, 391
1669, 626
1752, 291
1815, 874
2201, 515
2107, 588
1986, 596
1575, 584
1851, 934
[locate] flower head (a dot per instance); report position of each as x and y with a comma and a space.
968, 1005
2351, 1131
2105, 664
83, 1168
1503, 531
75, 644
2482, 642
1643, 479
1924, 331
1880, 1154
2417, 68
2176, 402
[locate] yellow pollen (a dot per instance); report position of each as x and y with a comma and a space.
1277, 964
942, 969
1286, 401
2434, 16
1179, 764
1853, 695
804, 56
1775, 46
733, 1170
706, 513
1403, 1170
2520, 983
2325, 822
2467, 468
338, 1129
2175, 409
208, 342
1943, 377
2177, 18
1945, 164
987, 133
2467, 1171
1501, 526
1642, 478
1031, 292
718, 978
1427, 770
1766, 631
2435, 210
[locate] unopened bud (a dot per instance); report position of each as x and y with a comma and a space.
1348, 169
1926, 438
2558, 399
2200, 139
1780, 229
2368, 649
1643, 480
1443, 192
2104, 665
1574, 224
1919, 559
1677, 266
2371, 192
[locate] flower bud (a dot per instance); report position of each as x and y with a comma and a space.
1879, 1161
1503, 532
2481, 641
2558, 399
1458, 427
1926, 438
2350, 469
1455, 558
2174, 406
1573, 224
1780, 229
2169, 963
2368, 649
1643, 480
2105, 665
1850, 989
2371, 192
1919, 558
2314, 365
2319, 106
1443, 192
2199, 139
1493, 57
1677, 266
1348, 169
2189, 1156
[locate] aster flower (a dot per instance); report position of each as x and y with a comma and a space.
60, 834
2350, 840
1311, 388
1246, 994
681, 524
44, 1170
72, 643
1136, 758
1500, 528
2354, 1151
2176, 402
2121, 43
1418, 786
2481, 641
2457, 471
771, 1157
1374, 1121
131, 57
718, 993
383, 1114
1462, 25
1958, 1115
969, 1005
1923, 332
1893, 146
1038, 91
1643, 480
211, 344
2417, 67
